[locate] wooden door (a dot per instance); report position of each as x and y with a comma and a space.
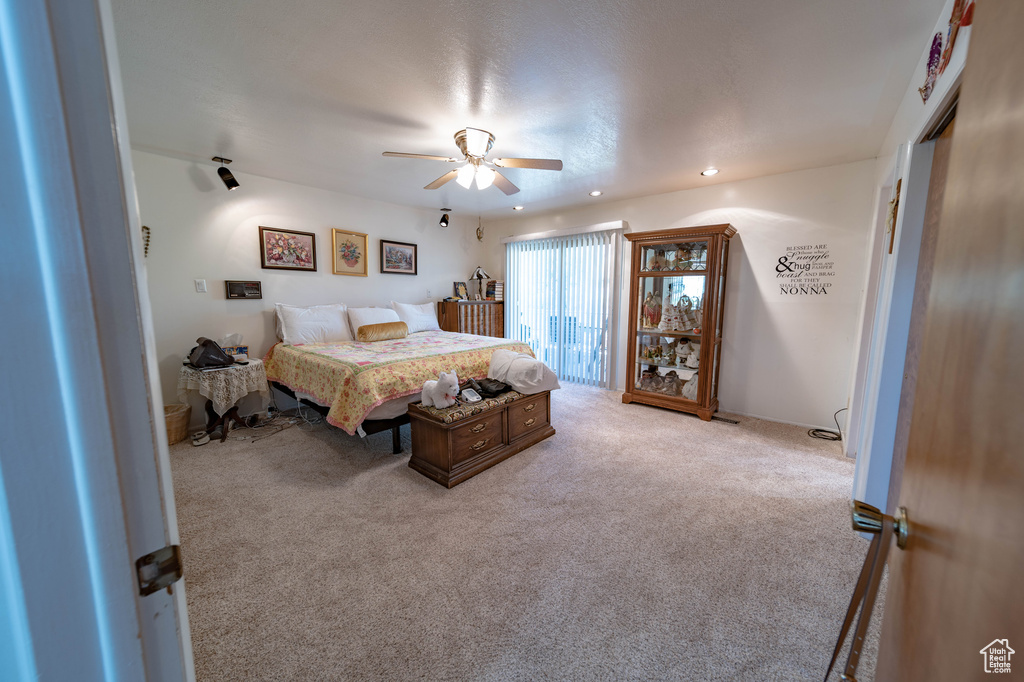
960, 583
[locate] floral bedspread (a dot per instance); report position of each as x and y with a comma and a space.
355, 377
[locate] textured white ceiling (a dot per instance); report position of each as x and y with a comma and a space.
635, 97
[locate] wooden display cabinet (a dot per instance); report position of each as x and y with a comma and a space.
677, 294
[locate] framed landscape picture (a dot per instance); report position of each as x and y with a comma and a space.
287, 249
398, 258
349, 249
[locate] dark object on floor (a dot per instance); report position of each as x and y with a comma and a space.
213, 420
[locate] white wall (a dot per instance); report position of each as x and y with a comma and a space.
202, 231
785, 358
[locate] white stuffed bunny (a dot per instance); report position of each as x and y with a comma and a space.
441, 393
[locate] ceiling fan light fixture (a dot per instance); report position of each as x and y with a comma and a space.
709, 172
478, 142
484, 177
474, 145
465, 175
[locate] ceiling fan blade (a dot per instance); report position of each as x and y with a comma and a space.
502, 183
541, 164
403, 155
450, 175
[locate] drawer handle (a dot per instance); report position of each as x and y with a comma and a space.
479, 427
479, 444
529, 422
529, 408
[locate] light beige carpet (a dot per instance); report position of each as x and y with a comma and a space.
635, 544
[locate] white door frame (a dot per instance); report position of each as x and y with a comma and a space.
878, 377
85, 483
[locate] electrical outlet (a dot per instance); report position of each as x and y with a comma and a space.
428, 293
201, 286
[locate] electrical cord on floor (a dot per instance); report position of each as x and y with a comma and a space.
827, 434
316, 417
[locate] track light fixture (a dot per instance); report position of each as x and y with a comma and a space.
225, 174
444, 218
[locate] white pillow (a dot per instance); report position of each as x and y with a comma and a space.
419, 318
357, 317
312, 324
522, 372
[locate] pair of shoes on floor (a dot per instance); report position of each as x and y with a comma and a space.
201, 438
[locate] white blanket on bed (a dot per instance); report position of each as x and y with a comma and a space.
522, 372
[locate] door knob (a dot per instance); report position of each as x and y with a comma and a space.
868, 519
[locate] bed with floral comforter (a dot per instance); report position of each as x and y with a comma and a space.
354, 377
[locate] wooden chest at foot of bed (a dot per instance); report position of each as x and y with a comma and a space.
450, 452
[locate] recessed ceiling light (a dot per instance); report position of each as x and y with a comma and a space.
596, 193
710, 171
517, 208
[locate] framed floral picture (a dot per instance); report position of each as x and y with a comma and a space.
397, 257
349, 249
287, 249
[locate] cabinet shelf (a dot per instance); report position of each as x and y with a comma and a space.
692, 333
683, 371
671, 273
661, 294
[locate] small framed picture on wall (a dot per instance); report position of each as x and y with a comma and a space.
349, 250
287, 249
398, 258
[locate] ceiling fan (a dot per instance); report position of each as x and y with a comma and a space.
474, 145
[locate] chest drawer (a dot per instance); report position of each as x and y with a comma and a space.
527, 414
478, 436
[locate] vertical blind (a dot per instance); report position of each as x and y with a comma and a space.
560, 299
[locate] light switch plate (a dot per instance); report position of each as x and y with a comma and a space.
201, 286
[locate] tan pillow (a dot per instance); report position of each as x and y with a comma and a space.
383, 331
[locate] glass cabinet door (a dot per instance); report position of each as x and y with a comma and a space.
670, 310
674, 256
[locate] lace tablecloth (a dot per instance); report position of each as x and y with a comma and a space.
224, 387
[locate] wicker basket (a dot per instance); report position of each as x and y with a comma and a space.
176, 417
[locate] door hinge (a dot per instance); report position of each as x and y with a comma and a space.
159, 569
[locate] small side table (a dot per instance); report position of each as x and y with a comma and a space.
223, 388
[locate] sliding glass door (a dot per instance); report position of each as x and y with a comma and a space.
561, 300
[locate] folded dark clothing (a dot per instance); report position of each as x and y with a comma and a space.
489, 388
